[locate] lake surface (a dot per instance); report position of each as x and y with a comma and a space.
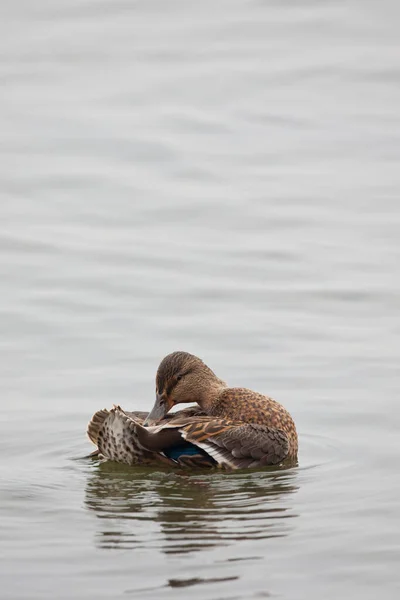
222, 178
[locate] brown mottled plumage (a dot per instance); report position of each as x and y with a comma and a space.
230, 428
121, 437
182, 377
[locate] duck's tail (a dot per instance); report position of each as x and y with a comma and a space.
95, 425
119, 437
114, 433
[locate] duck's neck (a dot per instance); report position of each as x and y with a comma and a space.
208, 391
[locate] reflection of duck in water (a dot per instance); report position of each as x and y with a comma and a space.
218, 510
234, 428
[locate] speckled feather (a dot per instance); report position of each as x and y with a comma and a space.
232, 445
231, 427
241, 404
183, 377
115, 433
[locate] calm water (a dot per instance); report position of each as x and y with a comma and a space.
220, 177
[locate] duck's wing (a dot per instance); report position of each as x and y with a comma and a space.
238, 445
231, 444
111, 431
138, 415
120, 436
191, 411
186, 439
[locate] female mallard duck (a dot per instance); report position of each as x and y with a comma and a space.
233, 428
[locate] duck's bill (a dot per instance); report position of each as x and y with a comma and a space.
159, 410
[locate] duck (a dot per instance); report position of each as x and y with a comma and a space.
228, 427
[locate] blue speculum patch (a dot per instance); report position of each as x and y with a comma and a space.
186, 449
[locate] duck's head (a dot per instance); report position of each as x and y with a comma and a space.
182, 378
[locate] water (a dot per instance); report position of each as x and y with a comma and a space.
221, 178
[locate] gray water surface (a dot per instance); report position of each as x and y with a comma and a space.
222, 178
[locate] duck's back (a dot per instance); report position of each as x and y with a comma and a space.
241, 404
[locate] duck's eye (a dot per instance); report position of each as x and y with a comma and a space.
179, 377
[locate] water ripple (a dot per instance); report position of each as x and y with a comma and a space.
218, 509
